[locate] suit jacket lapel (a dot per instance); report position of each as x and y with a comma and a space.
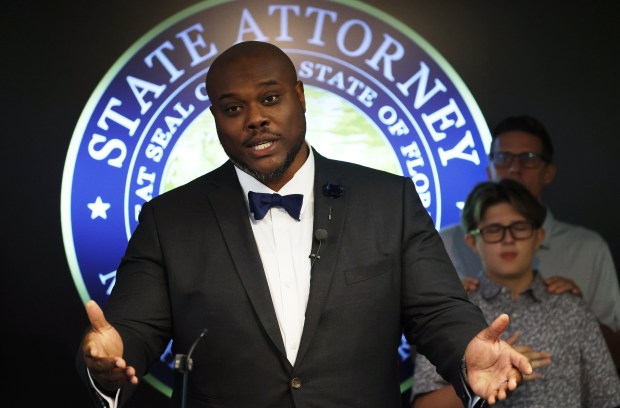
329, 214
226, 196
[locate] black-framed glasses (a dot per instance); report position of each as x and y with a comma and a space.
493, 233
528, 160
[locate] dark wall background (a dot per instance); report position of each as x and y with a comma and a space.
558, 62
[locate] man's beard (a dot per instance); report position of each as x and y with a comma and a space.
275, 175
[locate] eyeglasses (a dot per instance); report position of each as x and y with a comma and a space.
528, 160
496, 232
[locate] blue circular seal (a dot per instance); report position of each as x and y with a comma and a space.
377, 94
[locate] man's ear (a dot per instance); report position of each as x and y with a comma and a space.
470, 240
550, 172
301, 94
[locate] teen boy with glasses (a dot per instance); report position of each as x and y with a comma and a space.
571, 258
558, 333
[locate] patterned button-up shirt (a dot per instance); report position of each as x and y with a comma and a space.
581, 373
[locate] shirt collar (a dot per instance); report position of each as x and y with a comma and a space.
538, 287
489, 289
548, 226
301, 183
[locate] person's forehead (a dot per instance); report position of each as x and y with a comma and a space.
517, 141
234, 79
500, 210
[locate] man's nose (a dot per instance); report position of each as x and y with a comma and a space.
256, 117
515, 165
508, 236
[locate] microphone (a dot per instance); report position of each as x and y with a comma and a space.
320, 235
184, 364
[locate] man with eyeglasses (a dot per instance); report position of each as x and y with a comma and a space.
571, 258
557, 333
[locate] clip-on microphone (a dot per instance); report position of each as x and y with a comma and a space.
184, 364
320, 235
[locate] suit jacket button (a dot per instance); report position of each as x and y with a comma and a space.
296, 383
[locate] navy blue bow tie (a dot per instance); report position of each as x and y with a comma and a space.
261, 203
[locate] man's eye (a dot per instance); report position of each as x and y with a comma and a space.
493, 229
520, 226
271, 99
232, 109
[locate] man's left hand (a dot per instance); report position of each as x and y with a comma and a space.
493, 367
559, 284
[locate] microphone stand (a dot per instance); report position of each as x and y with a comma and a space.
184, 364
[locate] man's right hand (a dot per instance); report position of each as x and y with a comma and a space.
103, 352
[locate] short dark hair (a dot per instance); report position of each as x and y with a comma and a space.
528, 124
489, 193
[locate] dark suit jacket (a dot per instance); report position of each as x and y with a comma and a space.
193, 262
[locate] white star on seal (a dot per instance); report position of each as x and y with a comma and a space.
98, 209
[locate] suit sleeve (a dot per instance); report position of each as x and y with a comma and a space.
139, 306
426, 378
438, 317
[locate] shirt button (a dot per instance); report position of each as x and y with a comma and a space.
296, 383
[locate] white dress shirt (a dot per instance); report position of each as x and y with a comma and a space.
284, 245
